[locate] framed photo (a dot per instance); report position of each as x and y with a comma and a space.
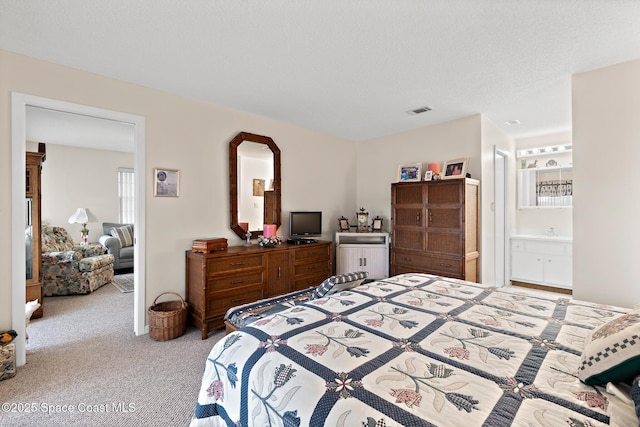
455, 169
376, 224
362, 219
409, 172
343, 223
258, 187
428, 175
166, 182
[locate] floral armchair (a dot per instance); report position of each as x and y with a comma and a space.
68, 268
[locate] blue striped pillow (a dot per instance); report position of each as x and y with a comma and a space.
329, 285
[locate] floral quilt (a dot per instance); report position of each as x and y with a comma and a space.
410, 350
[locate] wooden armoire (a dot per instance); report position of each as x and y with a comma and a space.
435, 228
33, 227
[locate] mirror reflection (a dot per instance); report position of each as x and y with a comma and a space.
255, 184
254, 169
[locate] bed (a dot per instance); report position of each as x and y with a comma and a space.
423, 350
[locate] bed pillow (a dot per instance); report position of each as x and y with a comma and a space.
339, 282
612, 351
124, 235
635, 394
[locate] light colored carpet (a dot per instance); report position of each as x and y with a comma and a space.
83, 354
124, 282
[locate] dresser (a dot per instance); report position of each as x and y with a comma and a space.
220, 280
435, 228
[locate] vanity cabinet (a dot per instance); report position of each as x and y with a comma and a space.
435, 228
217, 281
542, 260
363, 252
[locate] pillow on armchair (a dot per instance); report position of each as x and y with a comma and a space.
124, 235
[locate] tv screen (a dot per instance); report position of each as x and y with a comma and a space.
305, 223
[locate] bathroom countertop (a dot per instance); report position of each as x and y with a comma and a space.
542, 237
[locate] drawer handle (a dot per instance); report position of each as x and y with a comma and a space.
278, 272
236, 301
237, 282
236, 264
442, 264
430, 217
418, 217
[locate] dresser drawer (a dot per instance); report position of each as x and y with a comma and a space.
219, 303
416, 261
426, 263
227, 264
307, 282
311, 254
235, 281
315, 269
445, 265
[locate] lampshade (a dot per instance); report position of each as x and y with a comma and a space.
434, 167
82, 216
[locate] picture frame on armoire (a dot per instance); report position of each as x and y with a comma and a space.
410, 172
456, 168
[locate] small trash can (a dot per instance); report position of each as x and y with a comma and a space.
167, 319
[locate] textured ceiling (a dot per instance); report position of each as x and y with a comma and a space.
346, 68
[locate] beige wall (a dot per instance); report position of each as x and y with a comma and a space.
182, 134
74, 177
606, 153
378, 159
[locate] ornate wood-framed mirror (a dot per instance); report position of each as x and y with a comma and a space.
254, 183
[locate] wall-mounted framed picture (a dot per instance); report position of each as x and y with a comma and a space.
456, 168
258, 187
343, 223
410, 172
166, 182
428, 175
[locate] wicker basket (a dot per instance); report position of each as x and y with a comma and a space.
168, 319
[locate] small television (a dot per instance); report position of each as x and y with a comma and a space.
305, 224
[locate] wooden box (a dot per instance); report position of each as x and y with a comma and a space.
209, 245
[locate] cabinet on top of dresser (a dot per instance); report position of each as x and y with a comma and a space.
217, 281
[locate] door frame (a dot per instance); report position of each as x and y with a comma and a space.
19, 104
505, 214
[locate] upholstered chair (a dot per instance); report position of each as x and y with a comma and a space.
68, 268
118, 241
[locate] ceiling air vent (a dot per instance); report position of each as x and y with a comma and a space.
419, 110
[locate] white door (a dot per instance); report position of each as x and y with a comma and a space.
501, 241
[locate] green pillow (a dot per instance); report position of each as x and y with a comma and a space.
612, 351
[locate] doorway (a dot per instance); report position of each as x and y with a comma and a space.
501, 226
19, 104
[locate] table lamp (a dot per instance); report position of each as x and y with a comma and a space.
83, 216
